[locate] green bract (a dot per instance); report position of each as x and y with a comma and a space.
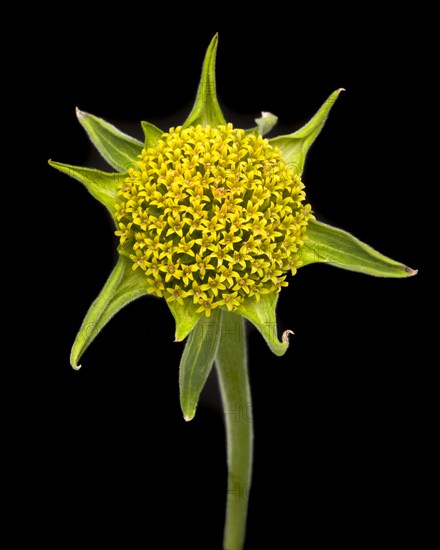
213, 219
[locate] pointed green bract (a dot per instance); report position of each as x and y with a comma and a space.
197, 360
295, 146
262, 315
327, 244
185, 316
266, 122
152, 134
101, 185
122, 287
117, 148
206, 110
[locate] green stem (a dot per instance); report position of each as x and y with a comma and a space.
231, 364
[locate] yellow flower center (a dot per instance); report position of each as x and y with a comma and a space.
214, 215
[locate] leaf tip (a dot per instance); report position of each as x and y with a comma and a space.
411, 272
182, 332
75, 356
189, 417
214, 41
266, 122
286, 335
54, 164
80, 114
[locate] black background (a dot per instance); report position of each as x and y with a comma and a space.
346, 423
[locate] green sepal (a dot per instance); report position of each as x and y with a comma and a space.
101, 185
118, 149
197, 360
185, 316
327, 244
294, 146
206, 109
265, 123
152, 134
262, 315
122, 287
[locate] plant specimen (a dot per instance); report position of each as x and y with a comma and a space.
214, 220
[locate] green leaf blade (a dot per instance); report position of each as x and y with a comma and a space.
122, 287
101, 185
333, 246
295, 146
266, 122
118, 149
186, 317
206, 109
262, 315
152, 134
197, 361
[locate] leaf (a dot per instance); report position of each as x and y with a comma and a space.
206, 109
122, 287
336, 247
262, 315
197, 360
295, 146
265, 123
185, 316
152, 134
118, 149
101, 185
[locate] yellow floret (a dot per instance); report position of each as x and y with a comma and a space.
212, 215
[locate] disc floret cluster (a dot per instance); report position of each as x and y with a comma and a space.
212, 214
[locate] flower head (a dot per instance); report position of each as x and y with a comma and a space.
205, 198
212, 217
